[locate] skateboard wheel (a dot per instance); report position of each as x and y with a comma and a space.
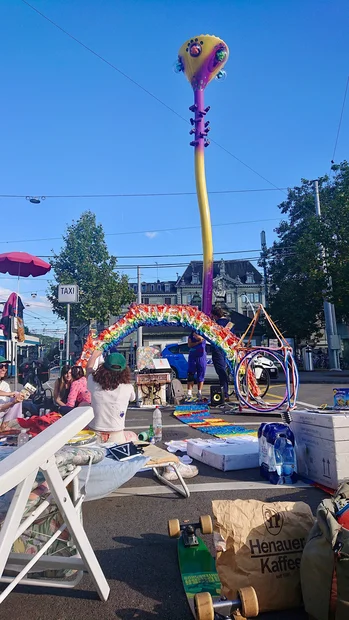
174, 528
206, 524
203, 606
249, 602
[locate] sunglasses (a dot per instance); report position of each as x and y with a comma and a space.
3, 366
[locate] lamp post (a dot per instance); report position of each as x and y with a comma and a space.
333, 343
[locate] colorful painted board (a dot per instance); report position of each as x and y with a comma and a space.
202, 420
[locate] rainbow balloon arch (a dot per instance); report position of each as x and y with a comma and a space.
240, 355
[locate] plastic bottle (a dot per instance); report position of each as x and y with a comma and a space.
157, 424
23, 438
284, 460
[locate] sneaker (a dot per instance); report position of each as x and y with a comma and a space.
186, 471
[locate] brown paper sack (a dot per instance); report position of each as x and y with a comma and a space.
260, 545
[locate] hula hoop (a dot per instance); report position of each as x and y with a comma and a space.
291, 390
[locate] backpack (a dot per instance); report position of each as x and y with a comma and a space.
177, 395
325, 563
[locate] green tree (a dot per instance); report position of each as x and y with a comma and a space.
298, 281
85, 260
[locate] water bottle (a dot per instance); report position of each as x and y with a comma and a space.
23, 438
157, 424
284, 461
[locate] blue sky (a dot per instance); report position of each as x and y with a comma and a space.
73, 125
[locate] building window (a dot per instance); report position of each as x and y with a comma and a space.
168, 301
145, 300
167, 288
144, 288
249, 278
195, 278
250, 297
159, 287
152, 288
257, 298
189, 298
229, 298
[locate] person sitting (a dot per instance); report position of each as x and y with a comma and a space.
197, 362
10, 402
79, 395
111, 392
62, 387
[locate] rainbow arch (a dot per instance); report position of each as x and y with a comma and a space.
143, 315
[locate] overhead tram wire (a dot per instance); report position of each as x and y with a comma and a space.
145, 90
150, 194
157, 230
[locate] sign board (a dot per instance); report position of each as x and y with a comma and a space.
68, 293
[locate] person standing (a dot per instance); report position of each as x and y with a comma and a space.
197, 363
218, 357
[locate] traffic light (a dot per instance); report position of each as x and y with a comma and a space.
61, 344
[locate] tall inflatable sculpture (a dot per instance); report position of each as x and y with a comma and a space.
202, 58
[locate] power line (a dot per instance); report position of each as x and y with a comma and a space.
157, 230
149, 194
340, 120
148, 92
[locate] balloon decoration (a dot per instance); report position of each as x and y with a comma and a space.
202, 58
240, 356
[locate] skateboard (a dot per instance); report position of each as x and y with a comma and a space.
200, 578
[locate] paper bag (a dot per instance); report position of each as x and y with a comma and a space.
260, 544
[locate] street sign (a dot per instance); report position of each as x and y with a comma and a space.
68, 293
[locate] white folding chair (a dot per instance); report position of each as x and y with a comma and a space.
18, 471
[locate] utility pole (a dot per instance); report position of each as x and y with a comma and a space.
139, 301
67, 342
264, 262
329, 309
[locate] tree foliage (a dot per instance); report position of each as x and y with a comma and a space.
298, 281
85, 260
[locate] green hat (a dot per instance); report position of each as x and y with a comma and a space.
3, 360
115, 361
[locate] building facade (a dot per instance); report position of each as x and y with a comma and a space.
236, 283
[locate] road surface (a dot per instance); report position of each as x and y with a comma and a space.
129, 534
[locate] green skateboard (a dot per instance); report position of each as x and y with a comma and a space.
200, 578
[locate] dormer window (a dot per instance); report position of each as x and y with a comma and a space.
249, 278
167, 288
195, 278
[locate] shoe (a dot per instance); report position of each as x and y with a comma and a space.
186, 471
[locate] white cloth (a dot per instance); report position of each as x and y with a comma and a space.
4, 387
109, 406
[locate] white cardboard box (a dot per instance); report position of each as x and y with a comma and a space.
322, 446
232, 454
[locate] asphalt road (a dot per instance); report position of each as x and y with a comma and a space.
129, 534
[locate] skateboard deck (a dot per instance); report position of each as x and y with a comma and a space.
198, 571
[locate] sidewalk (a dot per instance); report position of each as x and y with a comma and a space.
325, 376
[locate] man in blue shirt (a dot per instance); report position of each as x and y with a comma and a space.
218, 357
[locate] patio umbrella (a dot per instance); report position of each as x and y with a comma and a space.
22, 264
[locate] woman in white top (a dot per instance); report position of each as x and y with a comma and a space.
10, 402
111, 392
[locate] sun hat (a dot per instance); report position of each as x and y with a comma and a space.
3, 360
115, 361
